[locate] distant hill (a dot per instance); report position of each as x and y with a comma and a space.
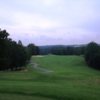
47, 49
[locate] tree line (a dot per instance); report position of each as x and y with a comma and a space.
90, 52
62, 50
13, 55
69, 50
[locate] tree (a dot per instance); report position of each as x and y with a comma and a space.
57, 50
34, 50
4, 61
79, 50
12, 55
3, 34
20, 43
92, 55
70, 50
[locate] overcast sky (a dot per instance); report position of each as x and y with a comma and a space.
45, 22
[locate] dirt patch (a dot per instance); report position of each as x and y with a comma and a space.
40, 69
39, 56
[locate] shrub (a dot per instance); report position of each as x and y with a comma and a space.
92, 55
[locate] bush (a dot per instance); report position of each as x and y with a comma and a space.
92, 55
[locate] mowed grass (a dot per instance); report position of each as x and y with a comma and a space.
70, 79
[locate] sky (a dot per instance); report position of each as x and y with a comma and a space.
51, 22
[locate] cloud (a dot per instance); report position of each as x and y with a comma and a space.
28, 20
51, 21
48, 2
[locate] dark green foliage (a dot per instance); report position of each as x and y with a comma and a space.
57, 50
69, 50
3, 34
79, 50
63, 50
18, 55
13, 55
4, 61
34, 50
92, 55
20, 43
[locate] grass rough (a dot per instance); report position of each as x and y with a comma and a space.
71, 79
